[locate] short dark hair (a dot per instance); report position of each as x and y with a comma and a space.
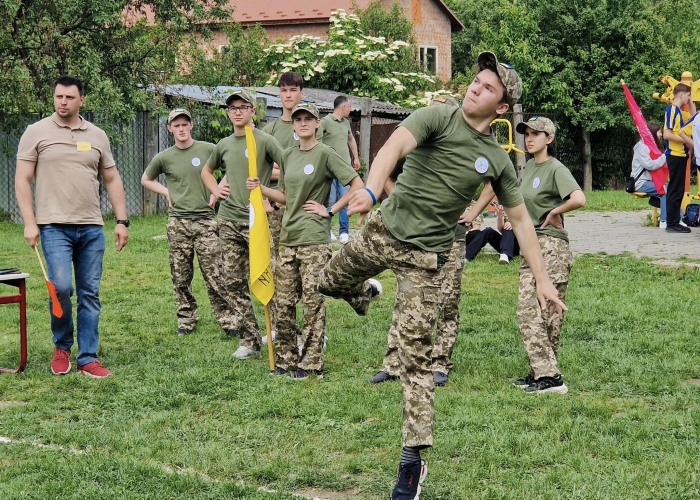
68, 81
291, 79
339, 101
680, 87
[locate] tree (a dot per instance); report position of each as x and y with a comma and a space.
571, 55
110, 45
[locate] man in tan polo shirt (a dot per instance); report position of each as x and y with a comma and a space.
65, 155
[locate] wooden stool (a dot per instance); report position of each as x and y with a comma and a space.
655, 216
17, 280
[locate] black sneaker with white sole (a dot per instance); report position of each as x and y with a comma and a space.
545, 385
279, 372
522, 383
408, 483
382, 376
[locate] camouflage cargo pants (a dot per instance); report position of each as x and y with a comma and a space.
540, 329
297, 279
447, 320
275, 221
368, 253
185, 237
236, 267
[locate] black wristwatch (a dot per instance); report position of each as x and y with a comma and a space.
330, 212
125, 222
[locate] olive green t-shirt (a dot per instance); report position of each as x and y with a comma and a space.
284, 133
545, 186
231, 157
307, 175
183, 173
335, 135
441, 175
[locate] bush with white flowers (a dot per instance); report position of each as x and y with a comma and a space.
353, 62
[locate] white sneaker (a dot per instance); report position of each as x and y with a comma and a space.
333, 237
244, 353
504, 259
682, 223
662, 224
376, 288
344, 238
325, 342
273, 334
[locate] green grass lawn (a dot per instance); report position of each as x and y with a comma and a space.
182, 419
613, 201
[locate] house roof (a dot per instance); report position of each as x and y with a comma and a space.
323, 99
309, 11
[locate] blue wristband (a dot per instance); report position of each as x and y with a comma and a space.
374, 200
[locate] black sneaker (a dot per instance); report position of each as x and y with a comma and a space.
677, 228
547, 384
410, 478
440, 378
524, 382
232, 333
302, 374
279, 372
184, 331
381, 376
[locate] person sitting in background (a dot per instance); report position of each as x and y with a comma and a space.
503, 240
643, 165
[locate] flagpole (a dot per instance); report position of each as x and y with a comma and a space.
270, 349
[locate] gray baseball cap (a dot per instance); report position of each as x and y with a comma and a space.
509, 77
537, 123
240, 94
178, 112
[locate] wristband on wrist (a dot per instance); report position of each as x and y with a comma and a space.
374, 200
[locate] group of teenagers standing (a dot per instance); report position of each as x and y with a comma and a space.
418, 232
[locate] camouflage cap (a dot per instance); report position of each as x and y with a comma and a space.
178, 112
537, 123
240, 94
308, 107
509, 77
444, 99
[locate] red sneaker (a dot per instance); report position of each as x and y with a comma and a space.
60, 363
94, 370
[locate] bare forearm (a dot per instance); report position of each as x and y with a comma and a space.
115, 191
576, 200
355, 185
353, 147
23, 191
389, 185
210, 181
486, 196
155, 186
273, 194
527, 239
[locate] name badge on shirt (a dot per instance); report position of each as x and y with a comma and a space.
84, 146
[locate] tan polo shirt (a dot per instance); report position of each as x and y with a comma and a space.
67, 187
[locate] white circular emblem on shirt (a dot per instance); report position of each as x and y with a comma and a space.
196, 162
309, 169
246, 153
481, 165
296, 137
536, 183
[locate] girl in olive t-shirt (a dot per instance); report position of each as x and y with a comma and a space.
549, 191
306, 174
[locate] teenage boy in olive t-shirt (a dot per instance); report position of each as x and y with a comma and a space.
230, 156
191, 224
449, 154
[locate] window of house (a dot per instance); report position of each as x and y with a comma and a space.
428, 59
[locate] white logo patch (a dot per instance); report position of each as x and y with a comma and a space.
536, 183
196, 162
296, 137
251, 217
246, 153
481, 165
309, 169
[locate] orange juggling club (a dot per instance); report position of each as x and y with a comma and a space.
56, 309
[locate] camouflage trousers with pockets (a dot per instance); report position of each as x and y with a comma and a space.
185, 237
236, 266
539, 329
368, 253
275, 221
297, 279
447, 321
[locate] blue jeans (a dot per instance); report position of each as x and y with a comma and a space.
650, 189
337, 192
82, 246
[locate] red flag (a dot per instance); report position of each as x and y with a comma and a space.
659, 176
56, 308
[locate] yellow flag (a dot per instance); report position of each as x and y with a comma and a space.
261, 283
